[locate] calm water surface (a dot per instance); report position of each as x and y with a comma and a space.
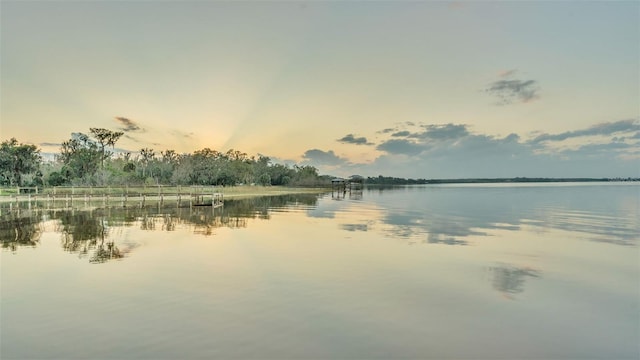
494, 271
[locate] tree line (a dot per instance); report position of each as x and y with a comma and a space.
89, 160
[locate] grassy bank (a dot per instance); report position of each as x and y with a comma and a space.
238, 192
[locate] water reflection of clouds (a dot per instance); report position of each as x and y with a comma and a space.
597, 227
445, 240
414, 222
355, 227
430, 228
326, 209
510, 280
451, 215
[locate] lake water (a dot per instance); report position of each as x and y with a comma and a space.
546, 271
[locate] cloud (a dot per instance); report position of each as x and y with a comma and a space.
436, 132
387, 130
600, 149
482, 146
131, 137
510, 91
182, 134
319, 157
50, 144
403, 133
351, 139
127, 124
445, 132
433, 138
608, 128
401, 147
456, 141
453, 151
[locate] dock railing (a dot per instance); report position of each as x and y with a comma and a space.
112, 195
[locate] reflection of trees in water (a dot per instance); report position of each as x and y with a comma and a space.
79, 229
148, 222
105, 252
510, 280
168, 223
89, 232
236, 213
20, 228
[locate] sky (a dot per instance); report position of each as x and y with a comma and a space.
418, 89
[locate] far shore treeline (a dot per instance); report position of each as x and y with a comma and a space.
86, 160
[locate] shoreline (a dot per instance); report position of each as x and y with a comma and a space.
243, 192
164, 193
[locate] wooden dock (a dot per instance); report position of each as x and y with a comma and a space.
115, 197
353, 186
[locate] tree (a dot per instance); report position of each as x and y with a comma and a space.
261, 170
105, 138
17, 160
169, 156
281, 174
264, 179
56, 179
147, 155
80, 156
207, 166
307, 175
167, 165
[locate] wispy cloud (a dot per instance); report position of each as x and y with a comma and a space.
508, 90
127, 125
387, 130
512, 91
608, 128
351, 139
182, 134
131, 137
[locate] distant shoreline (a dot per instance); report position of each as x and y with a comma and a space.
401, 181
525, 180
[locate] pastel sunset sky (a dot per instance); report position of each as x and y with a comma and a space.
414, 89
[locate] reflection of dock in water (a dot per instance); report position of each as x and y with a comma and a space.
113, 197
341, 187
96, 231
